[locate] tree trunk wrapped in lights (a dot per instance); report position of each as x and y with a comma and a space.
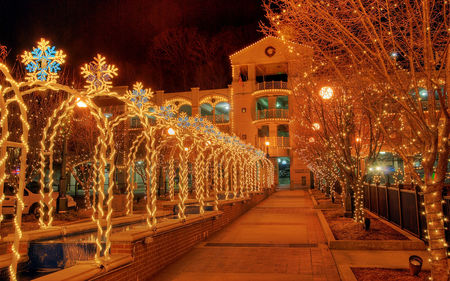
393, 57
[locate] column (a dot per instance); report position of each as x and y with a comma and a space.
159, 97
194, 98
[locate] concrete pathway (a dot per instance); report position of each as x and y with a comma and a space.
279, 239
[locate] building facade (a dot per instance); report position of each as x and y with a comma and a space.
255, 107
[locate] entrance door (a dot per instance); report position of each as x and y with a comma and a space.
284, 170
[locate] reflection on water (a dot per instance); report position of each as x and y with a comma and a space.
91, 234
31, 274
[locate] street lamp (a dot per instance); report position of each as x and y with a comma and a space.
171, 131
267, 149
326, 93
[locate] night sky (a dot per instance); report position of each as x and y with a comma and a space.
118, 29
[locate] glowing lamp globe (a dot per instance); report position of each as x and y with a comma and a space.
316, 126
267, 143
326, 93
171, 131
80, 103
358, 139
186, 149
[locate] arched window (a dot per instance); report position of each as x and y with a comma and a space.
187, 109
222, 112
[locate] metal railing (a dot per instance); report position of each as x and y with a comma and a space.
271, 85
219, 119
272, 113
273, 142
208, 117
224, 118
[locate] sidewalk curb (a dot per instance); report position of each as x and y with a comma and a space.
392, 245
322, 207
346, 273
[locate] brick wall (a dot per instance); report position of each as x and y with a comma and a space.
167, 247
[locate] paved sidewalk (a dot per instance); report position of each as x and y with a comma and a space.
279, 239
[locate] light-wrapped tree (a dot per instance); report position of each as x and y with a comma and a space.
398, 53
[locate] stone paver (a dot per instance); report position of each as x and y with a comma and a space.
279, 239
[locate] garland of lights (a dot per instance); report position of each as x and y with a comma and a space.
227, 152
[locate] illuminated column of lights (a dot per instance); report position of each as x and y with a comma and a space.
199, 177
42, 162
220, 163
216, 180
235, 172
23, 165
96, 179
3, 152
23, 145
258, 175
65, 108
244, 173
148, 149
226, 162
247, 176
87, 195
183, 186
209, 161
171, 178
153, 175
101, 123
131, 168
263, 174
112, 171
255, 174
241, 178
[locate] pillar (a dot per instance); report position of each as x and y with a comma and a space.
236, 71
251, 73
272, 101
159, 98
194, 98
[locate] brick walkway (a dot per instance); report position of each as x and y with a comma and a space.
279, 239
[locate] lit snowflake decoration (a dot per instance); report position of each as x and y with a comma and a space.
140, 96
166, 111
98, 74
43, 62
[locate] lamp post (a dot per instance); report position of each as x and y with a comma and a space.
267, 149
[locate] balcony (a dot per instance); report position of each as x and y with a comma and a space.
275, 142
275, 87
271, 85
218, 119
274, 114
222, 119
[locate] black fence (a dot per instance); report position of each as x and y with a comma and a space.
401, 207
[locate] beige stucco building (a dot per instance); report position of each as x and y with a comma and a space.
256, 108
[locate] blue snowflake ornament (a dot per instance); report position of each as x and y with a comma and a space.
140, 97
43, 62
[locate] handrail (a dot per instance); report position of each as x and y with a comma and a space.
271, 85
272, 113
273, 142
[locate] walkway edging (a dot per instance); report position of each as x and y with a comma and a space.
413, 244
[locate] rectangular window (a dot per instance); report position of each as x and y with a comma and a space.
303, 180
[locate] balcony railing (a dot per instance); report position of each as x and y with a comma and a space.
224, 118
271, 85
208, 117
219, 119
273, 142
272, 113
